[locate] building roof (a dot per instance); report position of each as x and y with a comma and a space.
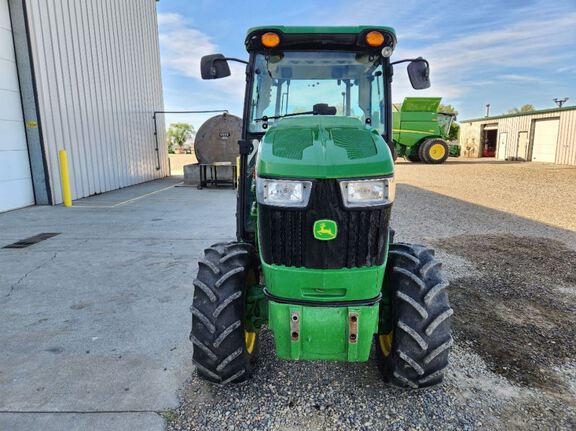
519, 114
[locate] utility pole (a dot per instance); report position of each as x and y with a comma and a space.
487, 110
560, 102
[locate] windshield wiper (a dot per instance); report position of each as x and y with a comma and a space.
275, 117
318, 109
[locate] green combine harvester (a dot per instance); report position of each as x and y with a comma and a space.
315, 258
421, 133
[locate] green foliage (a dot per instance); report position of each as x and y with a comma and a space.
447, 108
169, 415
177, 135
454, 131
524, 108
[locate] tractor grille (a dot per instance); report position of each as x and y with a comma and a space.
286, 236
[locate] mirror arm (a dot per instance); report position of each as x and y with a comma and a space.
410, 60
231, 59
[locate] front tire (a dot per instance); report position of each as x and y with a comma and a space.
415, 353
434, 151
224, 352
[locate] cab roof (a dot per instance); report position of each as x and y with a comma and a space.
354, 29
350, 38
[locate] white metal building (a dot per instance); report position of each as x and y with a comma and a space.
84, 76
540, 136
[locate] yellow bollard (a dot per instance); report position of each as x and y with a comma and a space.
237, 171
65, 179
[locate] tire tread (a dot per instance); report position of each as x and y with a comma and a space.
421, 317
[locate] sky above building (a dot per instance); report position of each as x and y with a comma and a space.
505, 53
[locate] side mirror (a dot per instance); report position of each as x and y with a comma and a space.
419, 74
214, 66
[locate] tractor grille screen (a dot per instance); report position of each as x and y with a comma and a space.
287, 238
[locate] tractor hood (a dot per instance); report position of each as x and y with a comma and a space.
323, 147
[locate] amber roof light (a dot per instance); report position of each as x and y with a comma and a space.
270, 40
374, 38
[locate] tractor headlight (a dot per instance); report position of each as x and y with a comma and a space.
366, 193
283, 193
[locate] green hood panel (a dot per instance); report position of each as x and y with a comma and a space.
323, 147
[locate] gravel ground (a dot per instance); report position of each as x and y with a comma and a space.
537, 191
513, 284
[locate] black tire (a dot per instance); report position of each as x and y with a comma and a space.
429, 153
393, 151
421, 318
220, 352
414, 159
420, 152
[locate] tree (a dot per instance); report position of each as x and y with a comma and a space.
447, 108
524, 108
454, 131
177, 135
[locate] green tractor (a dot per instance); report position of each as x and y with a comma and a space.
315, 258
421, 133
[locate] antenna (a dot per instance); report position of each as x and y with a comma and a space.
560, 102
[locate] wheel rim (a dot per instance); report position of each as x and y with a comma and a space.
250, 340
437, 151
385, 341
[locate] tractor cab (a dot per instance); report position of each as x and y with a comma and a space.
342, 74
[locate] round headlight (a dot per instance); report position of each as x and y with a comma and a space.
387, 51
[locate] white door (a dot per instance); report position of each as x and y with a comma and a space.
15, 178
545, 140
502, 146
522, 145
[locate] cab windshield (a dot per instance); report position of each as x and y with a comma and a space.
292, 82
445, 121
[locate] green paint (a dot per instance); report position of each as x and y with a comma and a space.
345, 284
323, 147
417, 121
320, 30
323, 332
325, 230
256, 311
320, 147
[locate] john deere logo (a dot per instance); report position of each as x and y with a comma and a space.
325, 230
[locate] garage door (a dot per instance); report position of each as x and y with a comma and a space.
15, 179
545, 140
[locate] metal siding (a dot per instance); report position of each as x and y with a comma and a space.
97, 66
566, 154
566, 146
15, 176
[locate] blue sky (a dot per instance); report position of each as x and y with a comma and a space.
506, 53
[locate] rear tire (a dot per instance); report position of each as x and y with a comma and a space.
223, 351
415, 354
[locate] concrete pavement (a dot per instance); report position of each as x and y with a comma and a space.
95, 320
